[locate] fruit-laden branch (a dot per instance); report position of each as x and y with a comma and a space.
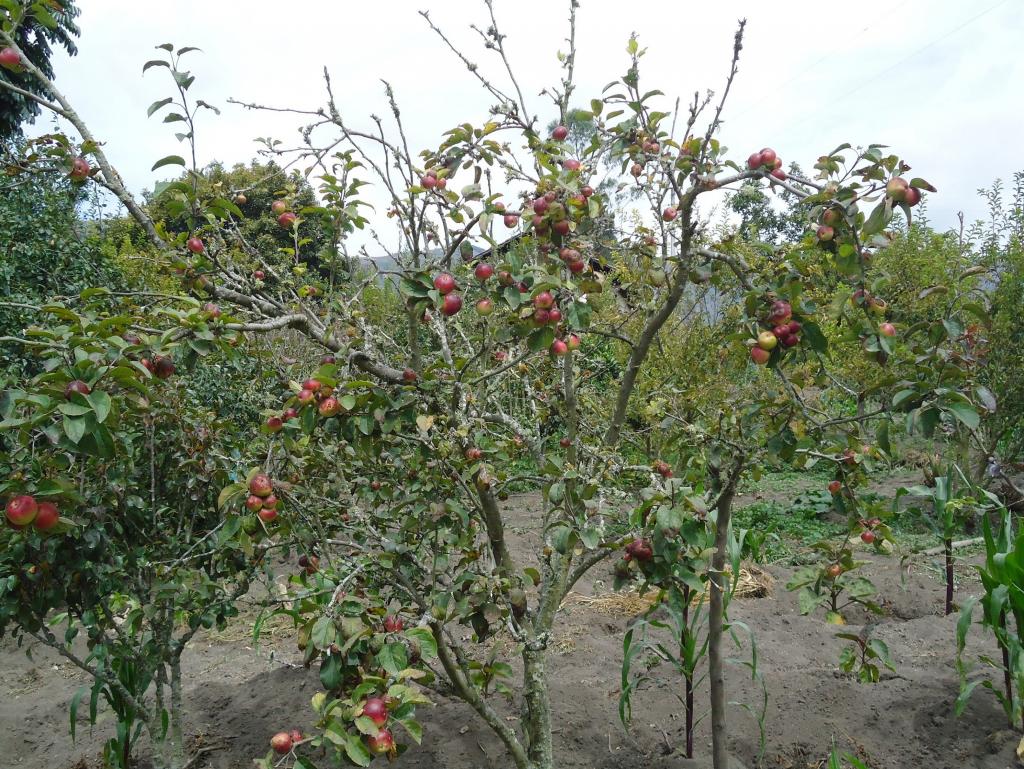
113, 182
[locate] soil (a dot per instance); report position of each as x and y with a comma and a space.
239, 694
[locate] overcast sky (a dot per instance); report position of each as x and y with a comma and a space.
938, 80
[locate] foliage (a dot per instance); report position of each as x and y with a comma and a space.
38, 26
46, 254
1002, 575
395, 455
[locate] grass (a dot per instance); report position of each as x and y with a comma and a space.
783, 531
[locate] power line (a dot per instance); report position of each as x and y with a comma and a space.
815, 63
847, 93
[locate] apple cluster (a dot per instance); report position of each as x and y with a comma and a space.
23, 510
781, 329
285, 218
261, 499
312, 394
545, 308
767, 160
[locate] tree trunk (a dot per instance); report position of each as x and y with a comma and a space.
537, 710
947, 549
716, 626
177, 741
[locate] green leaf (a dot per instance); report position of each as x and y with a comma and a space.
154, 63
74, 428
100, 402
965, 413
331, 672
324, 633
158, 105
393, 658
425, 639
170, 160
357, 752
540, 339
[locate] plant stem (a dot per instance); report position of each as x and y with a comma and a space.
1007, 679
947, 546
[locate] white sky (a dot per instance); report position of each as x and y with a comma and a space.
938, 80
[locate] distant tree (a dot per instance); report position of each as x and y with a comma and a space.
253, 188
37, 40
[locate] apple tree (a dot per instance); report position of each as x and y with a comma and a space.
402, 443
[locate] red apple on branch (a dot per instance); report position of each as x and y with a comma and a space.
22, 510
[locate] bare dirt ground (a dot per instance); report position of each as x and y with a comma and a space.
239, 695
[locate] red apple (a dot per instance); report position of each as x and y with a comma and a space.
274, 424
442, 183
912, 196
640, 549
572, 342
195, 245
409, 376
305, 396
289, 413
586, 191
825, 233
768, 157
163, 367
212, 310
329, 407
79, 170
554, 316
562, 227
636, 170
278, 207
261, 485
834, 570
831, 217
376, 710
754, 161
669, 214
790, 340
281, 743
511, 220
312, 385
540, 205
267, 515
428, 180
564, 443
483, 271
576, 267
779, 174
781, 311
544, 300
287, 219
887, 329
46, 516
393, 624
571, 164
484, 307
541, 317
759, 355
380, 743
10, 59
444, 283
451, 305
22, 510
897, 188
559, 133
559, 348
76, 386
258, 274
867, 537
473, 454
834, 487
